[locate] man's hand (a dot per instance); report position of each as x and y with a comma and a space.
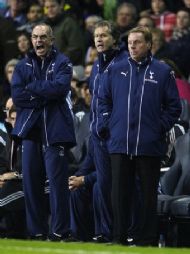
6, 176
75, 182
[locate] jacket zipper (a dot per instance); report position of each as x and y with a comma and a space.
111, 63
24, 124
44, 112
140, 111
128, 102
94, 84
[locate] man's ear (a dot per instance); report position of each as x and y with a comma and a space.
52, 40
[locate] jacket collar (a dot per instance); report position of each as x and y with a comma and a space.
145, 61
106, 57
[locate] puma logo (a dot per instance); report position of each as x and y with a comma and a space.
151, 74
124, 73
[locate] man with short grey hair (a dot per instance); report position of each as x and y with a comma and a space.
41, 93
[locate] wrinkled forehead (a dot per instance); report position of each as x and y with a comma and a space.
136, 36
102, 30
41, 30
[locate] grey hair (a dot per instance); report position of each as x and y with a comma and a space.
50, 30
12, 62
112, 29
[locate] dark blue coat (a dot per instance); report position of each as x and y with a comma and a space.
100, 67
138, 104
40, 91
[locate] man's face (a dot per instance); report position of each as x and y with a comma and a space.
103, 39
125, 17
157, 42
35, 13
182, 19
158, 6
52, 8
41, 40
23, 43
9, 72
187, 3
146, 22
138, 47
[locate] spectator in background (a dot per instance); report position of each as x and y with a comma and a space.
179, 45
126, 17
88, 69
139, 4
24, 44
7, 105
34, 14
187, 3
16, 12
78, 75
81, 107
9, 69
83, 198
91, 55
85, 93
163, 18
12, 208
146, 21
159, 45
68, 35
90, 22
77, 154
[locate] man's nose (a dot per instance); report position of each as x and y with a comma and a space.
132, 45
38, 39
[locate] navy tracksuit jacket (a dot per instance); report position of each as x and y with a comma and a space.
103, 215
136, 123
44, 122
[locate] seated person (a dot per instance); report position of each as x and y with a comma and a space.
82, 198
11, 193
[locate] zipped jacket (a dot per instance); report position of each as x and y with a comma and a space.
100, 67
138, 104
40, 91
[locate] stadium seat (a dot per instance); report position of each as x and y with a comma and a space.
180, 214
174, 186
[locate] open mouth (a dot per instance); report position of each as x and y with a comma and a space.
38, 47
100, 47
